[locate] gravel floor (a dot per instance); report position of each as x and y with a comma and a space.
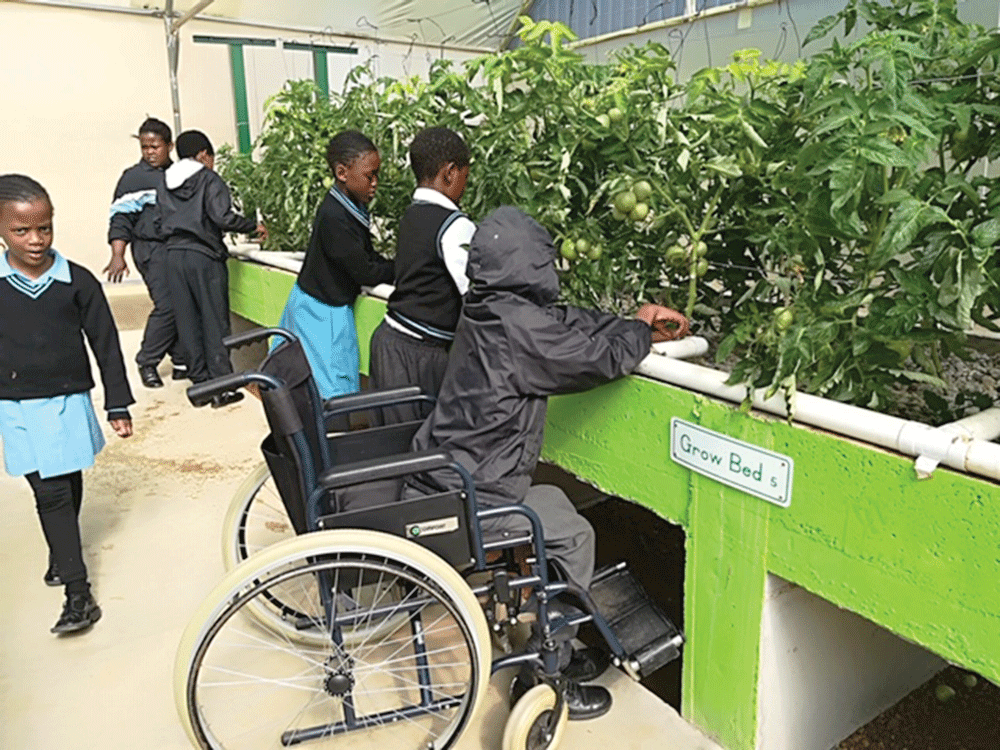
955, 710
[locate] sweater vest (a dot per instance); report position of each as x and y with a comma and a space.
425, 292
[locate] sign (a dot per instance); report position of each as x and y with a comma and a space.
746, 467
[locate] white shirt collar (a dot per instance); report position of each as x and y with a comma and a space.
430, 195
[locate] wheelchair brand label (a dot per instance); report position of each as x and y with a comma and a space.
746, 467
432, 527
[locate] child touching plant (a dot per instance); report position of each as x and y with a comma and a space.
411, 345
340, 260
47, 422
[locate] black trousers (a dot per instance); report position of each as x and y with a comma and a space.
398, 360
160, 336
199, 289
58, 501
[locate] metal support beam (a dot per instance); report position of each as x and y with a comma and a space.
172, 27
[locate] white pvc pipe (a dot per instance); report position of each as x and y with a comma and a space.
685, 348
934, 444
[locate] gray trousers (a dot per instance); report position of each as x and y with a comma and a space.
160, 336
399, 360
199, 288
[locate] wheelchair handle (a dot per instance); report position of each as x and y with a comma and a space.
385, 468
257, 334
200, 394
374, 400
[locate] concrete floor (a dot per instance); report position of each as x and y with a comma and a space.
153, 508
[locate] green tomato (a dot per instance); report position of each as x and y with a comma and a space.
604, 120
701, 268
700, 249
615, 115
328, 182
625, 201
783, 318
640, 212
582, 246
594, 253
642, 190
616, 214
568, 250
676, 255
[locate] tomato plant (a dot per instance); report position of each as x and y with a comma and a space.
831, 218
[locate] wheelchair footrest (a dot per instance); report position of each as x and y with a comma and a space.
648, 636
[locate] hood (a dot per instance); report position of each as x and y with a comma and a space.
179, 173
512, 252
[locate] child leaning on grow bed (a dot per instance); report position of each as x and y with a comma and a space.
340, 260
47, 422
411, 345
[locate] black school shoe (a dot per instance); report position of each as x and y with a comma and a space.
51, 576
180, 372
79, 612
587, 664
583, 701
226, 398
150, 377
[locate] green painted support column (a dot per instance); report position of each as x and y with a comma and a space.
321, 72
238, 69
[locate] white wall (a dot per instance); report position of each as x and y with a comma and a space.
77, 83
824, 671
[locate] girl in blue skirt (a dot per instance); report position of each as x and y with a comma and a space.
47, 422
339, 261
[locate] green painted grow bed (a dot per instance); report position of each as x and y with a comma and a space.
920, 558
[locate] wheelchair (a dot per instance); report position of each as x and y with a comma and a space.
372, 625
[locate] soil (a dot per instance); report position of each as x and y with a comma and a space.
933, 717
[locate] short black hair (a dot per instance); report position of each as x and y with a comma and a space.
347, 146
434, 148
190, 143
157, 127
16, 188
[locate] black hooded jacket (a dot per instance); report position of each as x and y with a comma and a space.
513, 348
196, 208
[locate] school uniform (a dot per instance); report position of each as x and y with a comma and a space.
134, 219
340, 260
47, 421
196, 208
410, 346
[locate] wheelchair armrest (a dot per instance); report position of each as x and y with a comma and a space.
374, 399
391, 467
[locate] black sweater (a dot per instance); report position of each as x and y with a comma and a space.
340, 258
42, 353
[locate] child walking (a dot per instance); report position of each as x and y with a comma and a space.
195, 209
340, 260
410, 346
47, 422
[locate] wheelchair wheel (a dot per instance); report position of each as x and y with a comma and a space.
527, 726
409, 682
257, 519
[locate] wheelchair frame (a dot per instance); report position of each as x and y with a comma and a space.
461, 547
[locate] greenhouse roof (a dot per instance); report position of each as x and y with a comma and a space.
451, 23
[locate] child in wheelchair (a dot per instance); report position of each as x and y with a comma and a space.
514, 347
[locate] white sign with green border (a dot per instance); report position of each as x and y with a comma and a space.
750, 468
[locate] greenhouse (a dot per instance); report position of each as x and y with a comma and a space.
793, 501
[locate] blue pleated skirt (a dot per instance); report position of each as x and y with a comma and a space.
53, 436
330, 340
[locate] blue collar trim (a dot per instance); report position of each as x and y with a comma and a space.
358, 212
34, 288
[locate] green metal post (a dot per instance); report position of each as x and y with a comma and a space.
240, 97
321, 73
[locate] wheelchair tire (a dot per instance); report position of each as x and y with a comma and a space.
526, 726
411, 682
255, 520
